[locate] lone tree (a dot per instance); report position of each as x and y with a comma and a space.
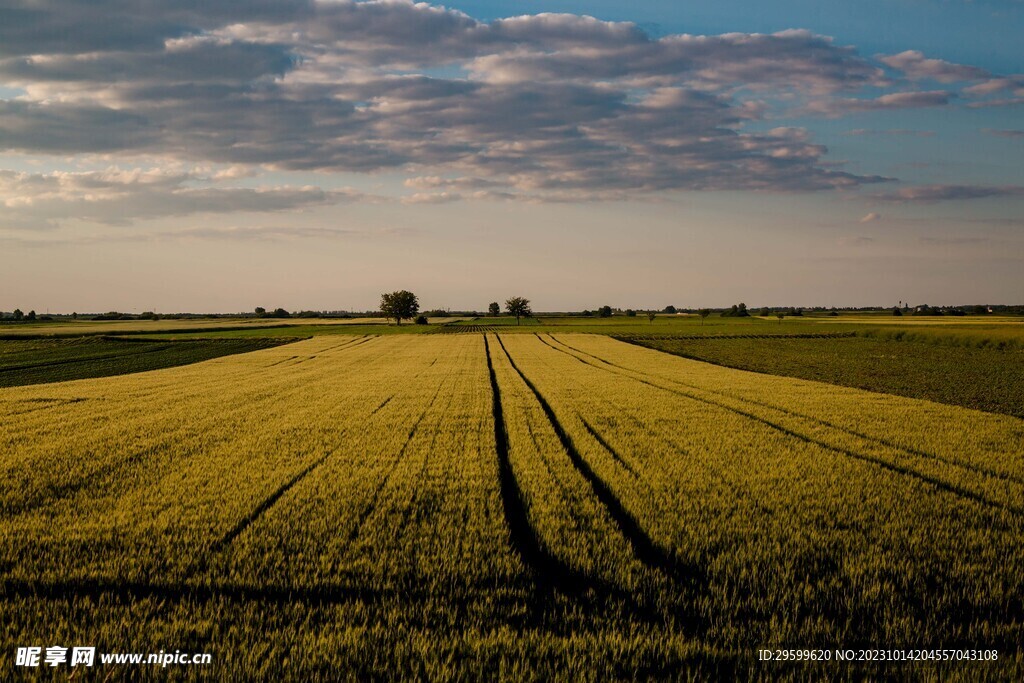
399, 305
669, 309
519, 307
780, 315
703, 313
494, 309
651, 315
604, 312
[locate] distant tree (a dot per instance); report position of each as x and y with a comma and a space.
703, 313
493, 309
671, 310
780, 315
925, 309
74, 316
587, 313
400, 305
736, 311
421, 320
519, 307
604, 312
18, 315
31, 315
897, 312
979, 310
630, 313
765, 312
147, 315
260, 311
651, 315
280, 313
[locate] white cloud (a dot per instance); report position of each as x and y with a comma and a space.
916, 66
949, 192
890, 101
550, 107
122, 196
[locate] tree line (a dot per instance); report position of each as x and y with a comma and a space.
404, 305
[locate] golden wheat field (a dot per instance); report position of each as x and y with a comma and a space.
505, 506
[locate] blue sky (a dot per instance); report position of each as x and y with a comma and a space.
983, 32
313, 154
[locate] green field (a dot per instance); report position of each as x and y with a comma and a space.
34, 361
513, 506
938, 367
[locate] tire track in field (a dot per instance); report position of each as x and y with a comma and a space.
64, 490
885, 443
909, 472
372, 505
45, 403
284, 488
275, 496
366, 339
611, 451
418, 493
548, 570
594, 433
343, 344
908, 450
644, 547
279, 362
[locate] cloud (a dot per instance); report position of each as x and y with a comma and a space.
898, 100
940, 193
549, 107
871, 217
118, 197
1010, 89
432, 198
789, 59
994, 85
28, 27
916, 67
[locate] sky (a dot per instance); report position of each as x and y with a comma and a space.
228, 154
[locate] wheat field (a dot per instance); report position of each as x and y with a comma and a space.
504, 506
